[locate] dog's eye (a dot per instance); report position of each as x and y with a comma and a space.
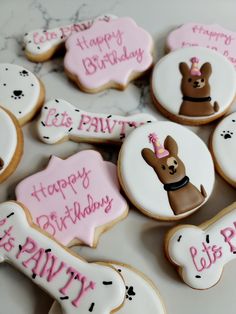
163, 167
175, 162
202, 80
190, 80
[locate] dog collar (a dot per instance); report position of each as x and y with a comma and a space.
176, 185
193, 99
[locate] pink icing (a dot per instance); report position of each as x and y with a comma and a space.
72, 197
108, 52
210, 36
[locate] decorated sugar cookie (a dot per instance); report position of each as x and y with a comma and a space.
141, 294
76, 199
11, 144
212, 36
61, 121
161, 175
223, 147
202, 84
41, 44
78, 286
200, 253
20, 91
108, 55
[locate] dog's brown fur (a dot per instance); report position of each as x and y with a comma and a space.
1, 163
171, 169
196, 87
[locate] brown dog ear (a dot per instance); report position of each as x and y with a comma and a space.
171, 145
184, 69
206, 69
149, 157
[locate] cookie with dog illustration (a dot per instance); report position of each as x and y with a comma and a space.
138, 289
193, 85
161, 175
223, 148
11, 144
21, 92
108, 55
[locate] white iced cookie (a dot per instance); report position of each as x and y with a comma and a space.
41, 44
193, 85
223, 147
60, 121
78, 286
200, 253
11, 144
21, 92
141, 294
161, 175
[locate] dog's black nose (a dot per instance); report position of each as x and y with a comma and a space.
17, 92
172, 169
196, 84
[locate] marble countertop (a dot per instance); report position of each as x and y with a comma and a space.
137, 240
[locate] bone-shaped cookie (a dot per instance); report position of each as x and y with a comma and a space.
41, 44
60, 121
200, 253
78, 286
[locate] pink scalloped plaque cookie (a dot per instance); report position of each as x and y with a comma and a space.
76, 199
210, 36
108, 55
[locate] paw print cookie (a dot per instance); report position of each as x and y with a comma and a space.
223, 148
108, 55
11, 144
138, 289
21, 92
189, 85
160, 174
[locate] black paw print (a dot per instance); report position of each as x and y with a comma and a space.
226, 134
24, 73
130, 293
17, 94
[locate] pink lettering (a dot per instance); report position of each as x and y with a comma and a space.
229, 234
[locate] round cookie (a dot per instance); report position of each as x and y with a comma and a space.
141, 294
11, 144
223, 148
193, 85
108, 55
166, 170
21, 92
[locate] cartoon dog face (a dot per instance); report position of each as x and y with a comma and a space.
169, 169
194, 85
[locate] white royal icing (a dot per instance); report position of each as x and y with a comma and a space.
40, 41
8, 139
59, 120
166, 79
139, 180
202, 252
141, 295
19, 90
79, 287
224, 146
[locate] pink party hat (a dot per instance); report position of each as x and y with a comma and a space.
194, 68
160, 151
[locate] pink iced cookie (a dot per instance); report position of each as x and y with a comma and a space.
210, 36
108, 55
76, 199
